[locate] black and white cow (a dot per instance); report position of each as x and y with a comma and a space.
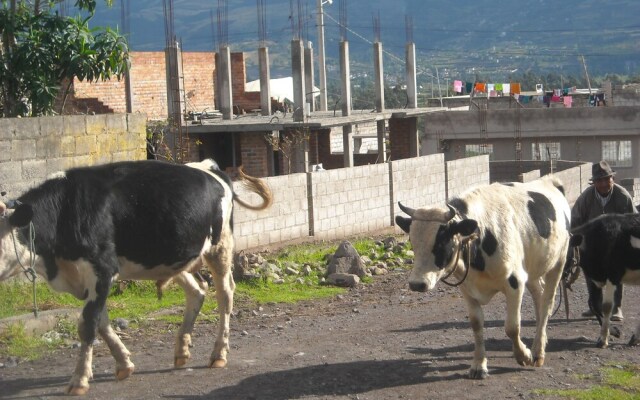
514, 235
147, 220
609, 248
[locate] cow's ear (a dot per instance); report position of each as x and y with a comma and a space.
403, 223
466, 227
21, 216
576, 240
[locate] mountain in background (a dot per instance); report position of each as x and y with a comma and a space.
463, 39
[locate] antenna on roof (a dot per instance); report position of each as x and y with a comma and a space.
584, 64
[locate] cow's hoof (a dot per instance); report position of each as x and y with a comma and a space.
601, 344
538, 361
220, 363
634, 341
124, 373
77, 390
525, 360
180, 361
615, 332
478, 373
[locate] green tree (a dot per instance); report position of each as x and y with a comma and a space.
42, 49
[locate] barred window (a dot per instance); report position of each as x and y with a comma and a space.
617, 152
472, 150
545, 151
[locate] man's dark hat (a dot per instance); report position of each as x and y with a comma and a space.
601, 170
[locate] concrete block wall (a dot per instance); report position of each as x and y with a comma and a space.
510, 171
418, 182
465, 173
33, 148
529, 176
571, 179
344, 202
287, 219
633, 187
350, 201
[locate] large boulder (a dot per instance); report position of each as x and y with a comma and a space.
346, 260
344, 280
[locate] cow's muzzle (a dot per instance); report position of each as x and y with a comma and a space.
418, 286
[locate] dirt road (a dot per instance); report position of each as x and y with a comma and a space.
378, 341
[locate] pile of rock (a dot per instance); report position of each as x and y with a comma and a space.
343, 268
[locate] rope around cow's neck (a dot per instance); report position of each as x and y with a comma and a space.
461, 245
30, 271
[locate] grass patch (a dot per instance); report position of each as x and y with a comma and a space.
15, 342
619, 382
139, 299
304, 253
263, 292
17, 298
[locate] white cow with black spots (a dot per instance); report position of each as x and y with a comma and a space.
87, 227
496, 238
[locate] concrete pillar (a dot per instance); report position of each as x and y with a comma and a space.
382, 142
128, 93
265, 79
225, 89
414, 137
309, 77
175, 88
379, 76
347, 145
297, 66
322, 73
412, 87
608, 92
271, 159
347, 130
345, 74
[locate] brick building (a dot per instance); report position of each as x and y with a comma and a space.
246, 139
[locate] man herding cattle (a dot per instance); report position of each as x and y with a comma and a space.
87, 227
497, 238
602, 197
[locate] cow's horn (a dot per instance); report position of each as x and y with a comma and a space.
452, 212
407, 210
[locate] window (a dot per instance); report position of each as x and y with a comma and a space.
617, 152
542, 151
472, 150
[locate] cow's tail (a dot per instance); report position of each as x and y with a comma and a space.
257, 186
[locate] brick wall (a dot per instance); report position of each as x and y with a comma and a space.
149, 86
253, 154
33, 148
402, 130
